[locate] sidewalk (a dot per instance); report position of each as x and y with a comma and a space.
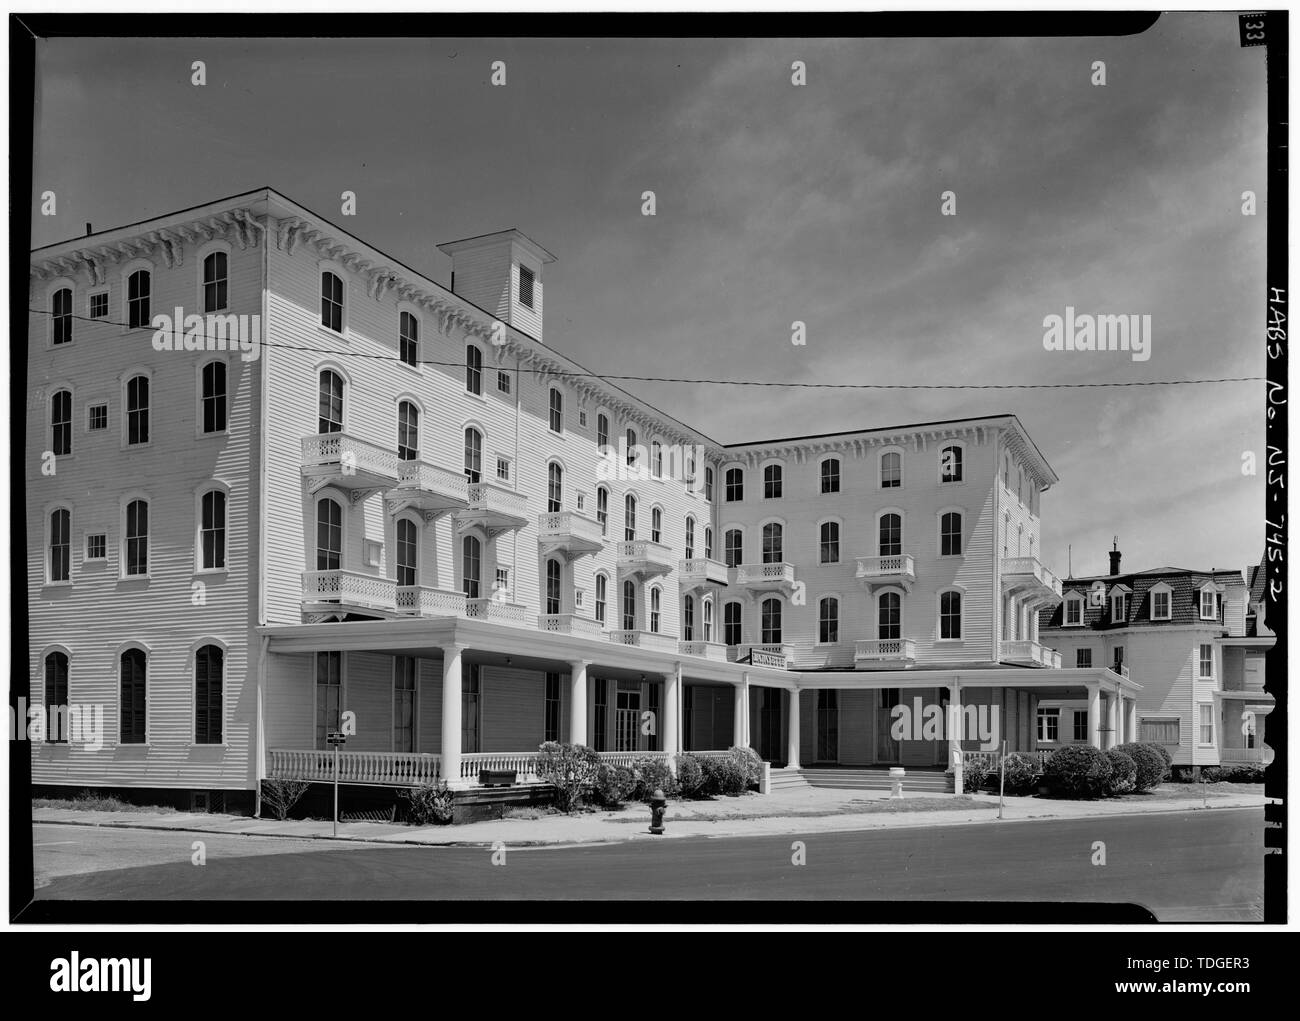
814, 810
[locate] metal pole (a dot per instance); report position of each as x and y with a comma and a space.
336, 788
1002, 779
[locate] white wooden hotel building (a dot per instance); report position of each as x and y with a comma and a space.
396, 507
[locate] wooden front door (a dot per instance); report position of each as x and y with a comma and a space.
828, 725
627, 715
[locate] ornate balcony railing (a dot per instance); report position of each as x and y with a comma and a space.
900, 651
348, 590
764, 576
497, 611
570, 532
1030, 653
897, 569
1027, 577
398, 769
570, 624
645, 640
705, 650
700, 572
422, 601
428, 488
646, 558
349, 463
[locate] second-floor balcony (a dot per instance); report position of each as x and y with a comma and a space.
498, 611
705, 650
429, 489
342, 592
570, 624
1028, 653
896, 569
764, 577
349, 463
1027, 578
777, 655
424, 601
701, 573
493, 508
569, 533
884, 653
644, 558
652, 640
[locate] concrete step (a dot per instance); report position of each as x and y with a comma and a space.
878, 779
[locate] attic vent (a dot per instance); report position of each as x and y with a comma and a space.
525, 287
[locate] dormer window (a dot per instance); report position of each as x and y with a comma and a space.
1161, 602
525, 287
1209, 611
1118, 607
1073, 610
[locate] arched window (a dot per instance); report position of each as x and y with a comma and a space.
690, 538
554, 487
734, 482
688, 619
950, 615
473, 369
950, 463
56, 696
602, 509
557, 411
830, 542
707, 606
209, 705
733, 547
408, 431
631, 446
656, 524
828, 620
629, 605
891, 535
137, 537
61, 423
212, 530
329, 535
213, 412
772, 478
773, 543
771, 621
950, 534
656, 459
216, 278
708, 543
629, 518
602, 431
133, 709
137, 410
731, 623
408, 552
331, 301
708, 484
552, 587
891, 470
471, 565
889, 616
330, 416
61, 315
61, 545
830, 472
408, 338
474, 455
137, 299
655, 595
602, 587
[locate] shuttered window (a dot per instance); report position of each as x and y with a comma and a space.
133, 706
209, 713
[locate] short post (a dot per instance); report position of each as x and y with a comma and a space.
896, 774
657, 805
1002, 776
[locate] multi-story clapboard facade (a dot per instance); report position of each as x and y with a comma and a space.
1196, 639
397, 513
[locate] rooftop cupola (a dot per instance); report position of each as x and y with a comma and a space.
502, 274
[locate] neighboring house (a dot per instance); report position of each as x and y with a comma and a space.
1190, 636
398, 510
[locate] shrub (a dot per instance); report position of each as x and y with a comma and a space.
428, 804
1163, 752
571, 769
1234, 772
615, 784
750, 762
711, 768
690, 776
654, 774
1021, 773
733, 777
281, 795
974, 775
1078, 771
1123, 772
1149, 763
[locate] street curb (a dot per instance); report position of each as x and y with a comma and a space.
919, 822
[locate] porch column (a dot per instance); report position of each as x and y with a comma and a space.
1032, 744
1131, 727
740, 737
671, 730
451, 721
1112, 718
578, 702
1028, 722
1094, 715
954, 726
1011, 719
792, 751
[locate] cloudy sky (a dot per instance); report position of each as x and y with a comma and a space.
776, 203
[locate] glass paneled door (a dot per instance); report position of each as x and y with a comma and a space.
627, 717
887, 750
828, 725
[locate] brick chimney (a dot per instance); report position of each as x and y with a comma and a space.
501, 273
1114, 557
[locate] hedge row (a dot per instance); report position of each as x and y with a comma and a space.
1078, 771
580, 776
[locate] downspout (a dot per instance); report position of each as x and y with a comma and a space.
996, 615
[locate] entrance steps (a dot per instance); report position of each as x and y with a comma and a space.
788, 779
874, 778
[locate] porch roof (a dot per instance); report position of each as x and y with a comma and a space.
1002, 677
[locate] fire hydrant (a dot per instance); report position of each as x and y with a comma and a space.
896, 774
657, 805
